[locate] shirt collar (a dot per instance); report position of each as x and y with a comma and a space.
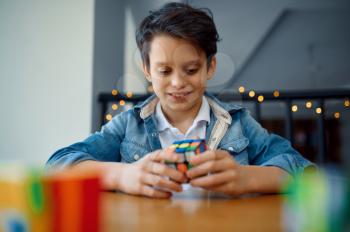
203, 115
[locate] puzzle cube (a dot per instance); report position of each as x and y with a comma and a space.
187, 149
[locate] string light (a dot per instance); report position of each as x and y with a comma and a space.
276, 93
294, 108
318, 110
336, 115
346, 103
308, 104
260, 98
241, 89
251, 93
129, 94
109, 117
114, 107
114, 92
121, 102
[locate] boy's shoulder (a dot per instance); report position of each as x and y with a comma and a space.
230, 107
145, 102
145, 108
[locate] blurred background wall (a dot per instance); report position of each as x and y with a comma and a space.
46, 53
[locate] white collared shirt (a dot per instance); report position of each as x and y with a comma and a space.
168, 133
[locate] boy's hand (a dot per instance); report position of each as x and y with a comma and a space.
150, 177
225, 175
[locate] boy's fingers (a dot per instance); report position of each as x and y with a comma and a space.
219, 188
164, 170
158, 181
151, 192
207, 156
213, 180
211, 166
167, 154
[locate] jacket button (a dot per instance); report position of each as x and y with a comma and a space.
136, 156
230, 148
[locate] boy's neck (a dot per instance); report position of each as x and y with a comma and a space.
180, 119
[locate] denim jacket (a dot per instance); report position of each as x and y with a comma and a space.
133, 134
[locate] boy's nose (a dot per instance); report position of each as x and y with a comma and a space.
177, 81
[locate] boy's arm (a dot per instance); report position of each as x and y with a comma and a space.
101, 146
228, 177
107, 171
255, 178
267, 149
148, 176
260, 179
272, 159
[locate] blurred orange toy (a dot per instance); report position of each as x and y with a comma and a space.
33, 201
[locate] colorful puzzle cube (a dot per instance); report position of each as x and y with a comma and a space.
187, 148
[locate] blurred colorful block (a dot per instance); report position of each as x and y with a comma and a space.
33, 201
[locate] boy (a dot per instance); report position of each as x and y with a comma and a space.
178, 47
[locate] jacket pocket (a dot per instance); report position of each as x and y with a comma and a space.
237, 148
131, 152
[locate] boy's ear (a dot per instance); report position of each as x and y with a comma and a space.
146, 72
212, 68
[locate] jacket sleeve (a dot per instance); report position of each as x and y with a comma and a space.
266, 149
102, 146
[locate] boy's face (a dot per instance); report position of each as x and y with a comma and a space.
179, 73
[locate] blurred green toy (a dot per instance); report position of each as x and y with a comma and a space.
316, 201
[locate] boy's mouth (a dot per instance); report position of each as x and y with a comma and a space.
179, 94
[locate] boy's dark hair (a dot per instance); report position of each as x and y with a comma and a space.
182, 21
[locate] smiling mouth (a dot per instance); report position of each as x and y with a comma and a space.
184, 94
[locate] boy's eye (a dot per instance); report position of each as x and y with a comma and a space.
191, 71
164, 72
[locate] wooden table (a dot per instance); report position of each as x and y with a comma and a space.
191, 210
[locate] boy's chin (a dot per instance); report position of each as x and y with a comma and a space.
181, 107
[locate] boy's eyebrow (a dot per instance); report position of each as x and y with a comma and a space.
161, 63
195, 62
